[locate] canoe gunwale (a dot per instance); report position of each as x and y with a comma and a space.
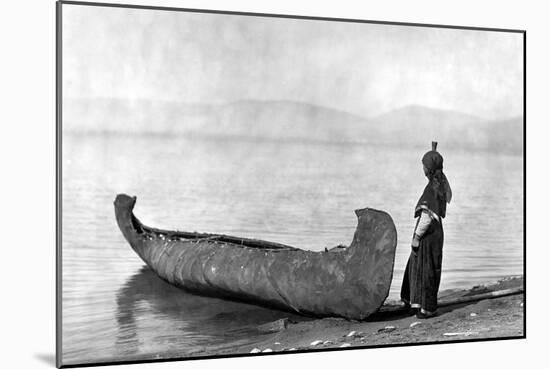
144, 231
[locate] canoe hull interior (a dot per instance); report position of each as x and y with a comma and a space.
352, 283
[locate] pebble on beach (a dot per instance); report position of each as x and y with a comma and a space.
292, 349
315, 343
255, 350
327, 342
267, 350
414, 324
459, 333
275, 326
388, 328
473, 314
345, 345
352, 334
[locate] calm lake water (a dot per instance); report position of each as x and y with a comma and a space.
298, 194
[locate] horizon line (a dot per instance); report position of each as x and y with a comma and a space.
480, 118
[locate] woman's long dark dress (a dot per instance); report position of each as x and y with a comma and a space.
423, 271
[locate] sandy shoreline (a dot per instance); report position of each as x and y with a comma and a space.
489, 318
499, 317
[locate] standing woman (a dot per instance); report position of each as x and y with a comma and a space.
423, 271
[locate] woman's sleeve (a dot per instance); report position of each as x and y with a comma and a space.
423, 224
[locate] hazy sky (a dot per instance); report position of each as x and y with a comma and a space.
361, 68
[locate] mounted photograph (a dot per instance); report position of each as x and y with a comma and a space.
234, 184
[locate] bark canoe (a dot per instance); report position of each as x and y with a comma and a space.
352, 282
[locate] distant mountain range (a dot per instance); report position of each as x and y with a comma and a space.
288, 120
456, 130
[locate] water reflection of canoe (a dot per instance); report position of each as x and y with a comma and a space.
352, 283
156, 318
